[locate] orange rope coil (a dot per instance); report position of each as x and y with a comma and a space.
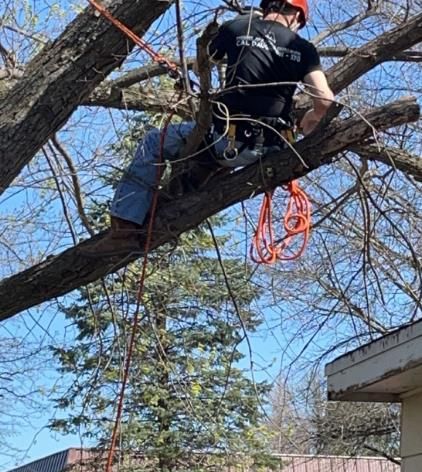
297, 223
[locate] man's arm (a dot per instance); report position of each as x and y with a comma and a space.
215, 48
322, 97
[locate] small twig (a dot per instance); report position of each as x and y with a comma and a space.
182, 56
76, 186
23, 33
382, 453
343, 26
61, 196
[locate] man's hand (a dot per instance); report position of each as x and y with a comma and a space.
322, 98
309, 122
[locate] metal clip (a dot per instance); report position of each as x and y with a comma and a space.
269, 171
231, 152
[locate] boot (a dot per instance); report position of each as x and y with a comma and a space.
123, 238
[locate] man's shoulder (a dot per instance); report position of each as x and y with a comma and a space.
299, 42
306, 45
242, 20
286, 32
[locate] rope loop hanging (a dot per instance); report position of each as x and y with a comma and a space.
297, 224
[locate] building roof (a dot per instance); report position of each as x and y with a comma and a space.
57, 462
382, 370
290, 463
301, 463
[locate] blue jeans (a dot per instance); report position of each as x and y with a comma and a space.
133, 196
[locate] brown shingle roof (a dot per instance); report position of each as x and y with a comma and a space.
336, 464
56, 462
289, 463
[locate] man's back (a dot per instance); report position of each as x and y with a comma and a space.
262, 52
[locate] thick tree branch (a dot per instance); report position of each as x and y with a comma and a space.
398, 158
61, 274
64, 74
405, 56
375, 52
143, 73
138, 99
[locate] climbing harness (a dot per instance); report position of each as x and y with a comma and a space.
256, 134
265, 249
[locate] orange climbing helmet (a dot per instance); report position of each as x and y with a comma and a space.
301, 5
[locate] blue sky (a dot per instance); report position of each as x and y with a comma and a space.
277, 331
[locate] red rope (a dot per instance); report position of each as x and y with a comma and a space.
155, 56
297, 223
159, 58
139, 296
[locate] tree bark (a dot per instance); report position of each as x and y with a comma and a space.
400, 159
65, 272
62, 75
375, 52
138, 99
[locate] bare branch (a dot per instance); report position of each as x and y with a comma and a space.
343, 25
75, 182
375, 52
22, 32
405, 56
60, 274
398, 158
143, 73
136, 98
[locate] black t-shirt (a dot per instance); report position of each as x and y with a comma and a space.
262, 52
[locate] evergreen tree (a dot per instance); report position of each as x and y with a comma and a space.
188, 397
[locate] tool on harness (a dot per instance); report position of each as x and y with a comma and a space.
240, 137
231, 151
256, 134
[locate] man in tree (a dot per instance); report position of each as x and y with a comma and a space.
266, 59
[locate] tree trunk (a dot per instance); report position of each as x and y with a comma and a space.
62, 76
